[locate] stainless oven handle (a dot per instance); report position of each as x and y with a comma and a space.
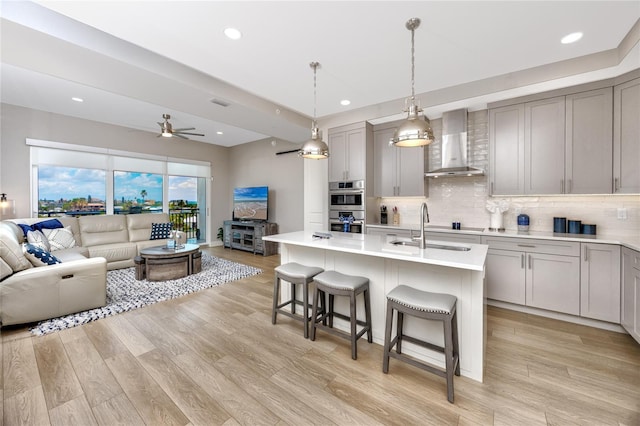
346, 191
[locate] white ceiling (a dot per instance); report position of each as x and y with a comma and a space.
132, 61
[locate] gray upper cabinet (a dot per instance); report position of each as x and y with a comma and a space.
544, 124
589, 142
626, 137
506, 149
562, 144
398, 172
348, 152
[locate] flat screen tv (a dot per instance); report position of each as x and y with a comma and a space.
251, 203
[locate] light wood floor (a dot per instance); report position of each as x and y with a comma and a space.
214, 358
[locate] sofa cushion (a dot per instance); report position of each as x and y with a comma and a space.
10, 249
5, 270
60, 238
103, 229
114, 252
140, 225
38, 239
160, 231
38, 256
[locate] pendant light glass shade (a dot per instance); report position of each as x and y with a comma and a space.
314, 148
416, 129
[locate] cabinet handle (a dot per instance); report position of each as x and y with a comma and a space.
570, 186
586, 259
530, 261
562, 186
522, 261
526, 245
616, 185
491, 190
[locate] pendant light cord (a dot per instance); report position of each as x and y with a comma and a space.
413, 66
314, 65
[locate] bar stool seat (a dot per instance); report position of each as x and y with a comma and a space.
294, 273
334, 284
432, 306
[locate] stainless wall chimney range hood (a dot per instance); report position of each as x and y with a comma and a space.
455, 147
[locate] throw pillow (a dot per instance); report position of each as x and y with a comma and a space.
60, 238
39, 257
160, 231
37, 238
39, 226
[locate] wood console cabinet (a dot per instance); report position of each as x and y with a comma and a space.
247, 235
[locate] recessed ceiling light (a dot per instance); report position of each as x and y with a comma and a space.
220, 133
345, 102
571, 38
232, 33
76, 99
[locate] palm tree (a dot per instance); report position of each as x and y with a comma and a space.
143, 194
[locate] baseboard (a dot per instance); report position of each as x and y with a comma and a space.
559, 316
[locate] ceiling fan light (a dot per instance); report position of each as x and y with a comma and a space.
315, 148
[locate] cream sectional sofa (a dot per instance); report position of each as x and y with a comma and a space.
102, 242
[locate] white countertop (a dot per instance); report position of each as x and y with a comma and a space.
375, 245
630, 241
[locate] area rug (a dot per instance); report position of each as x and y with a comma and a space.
125, 293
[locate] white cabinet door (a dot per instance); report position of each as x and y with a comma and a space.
356, 154
506, 150
626, 137
631, 292
589, 142
553, 282
411, 179
600, 282
398, 172
337, 156
544, 124
506, 276
348, 152
385, 164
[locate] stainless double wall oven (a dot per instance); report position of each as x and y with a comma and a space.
347, 200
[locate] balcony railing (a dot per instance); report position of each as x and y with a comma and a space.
185, 220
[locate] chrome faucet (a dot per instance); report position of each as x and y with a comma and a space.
424, 213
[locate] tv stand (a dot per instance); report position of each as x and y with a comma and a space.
247, 235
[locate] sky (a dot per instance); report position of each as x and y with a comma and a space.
68, 183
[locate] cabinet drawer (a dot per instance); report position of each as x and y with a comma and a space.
565, 248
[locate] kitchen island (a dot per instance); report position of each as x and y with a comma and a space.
460, 273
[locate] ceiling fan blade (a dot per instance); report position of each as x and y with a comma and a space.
187, 133
184, 128
180, 136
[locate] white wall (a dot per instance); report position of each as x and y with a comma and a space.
256, 164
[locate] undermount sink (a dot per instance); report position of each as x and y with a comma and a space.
429, 245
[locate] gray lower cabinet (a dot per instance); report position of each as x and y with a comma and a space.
539, 273
630, 315
600, 282
454, 238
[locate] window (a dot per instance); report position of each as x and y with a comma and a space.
70, 189
135, 192
119, 182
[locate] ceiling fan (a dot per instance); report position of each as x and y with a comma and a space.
167, 130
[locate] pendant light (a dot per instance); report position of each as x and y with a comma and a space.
416, 129
314, 148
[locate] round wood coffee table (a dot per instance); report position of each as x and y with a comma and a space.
161, 263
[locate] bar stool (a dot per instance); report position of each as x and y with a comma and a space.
431, 306
294, 273
334, 284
